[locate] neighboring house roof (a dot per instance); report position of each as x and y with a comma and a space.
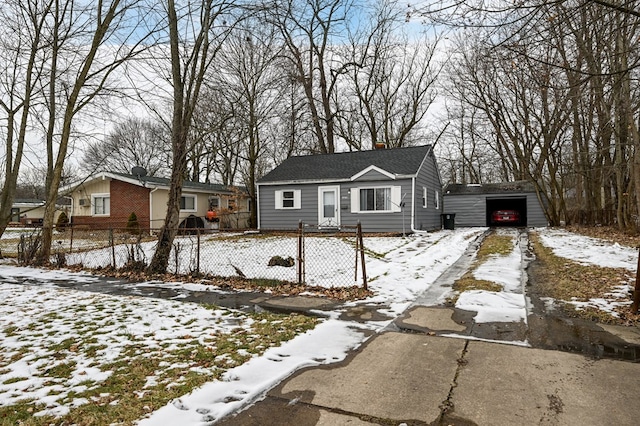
345, 165
152, 182
490, 188
28, 202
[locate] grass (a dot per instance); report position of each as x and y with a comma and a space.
567, 281
144, 378
493, 245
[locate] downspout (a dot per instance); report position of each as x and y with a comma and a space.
413, 204
257, 207
151, 209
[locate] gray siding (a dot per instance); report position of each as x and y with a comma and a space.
535, 212
271, 218
471, 209
428, 177
372, 175
373, 221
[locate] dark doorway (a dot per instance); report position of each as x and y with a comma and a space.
506, 211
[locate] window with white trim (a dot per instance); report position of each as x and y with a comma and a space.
100, 204
287, 199
188, 203
376, 199
424, 197
214, 202
437, 200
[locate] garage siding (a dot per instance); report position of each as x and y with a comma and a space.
471, 209
536, 216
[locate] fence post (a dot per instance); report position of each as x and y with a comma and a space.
71, 240
300, 253
113, 247
198, 253
21, 246
361, 244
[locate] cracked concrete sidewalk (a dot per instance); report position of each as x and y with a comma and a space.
423, 379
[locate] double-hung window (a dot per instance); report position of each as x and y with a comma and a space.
287, 199
100, 204
188, 203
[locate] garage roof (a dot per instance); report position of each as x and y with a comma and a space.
520, 186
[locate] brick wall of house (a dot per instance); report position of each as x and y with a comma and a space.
125, 199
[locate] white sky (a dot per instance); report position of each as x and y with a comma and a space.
408, 268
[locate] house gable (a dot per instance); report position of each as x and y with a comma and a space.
373, 173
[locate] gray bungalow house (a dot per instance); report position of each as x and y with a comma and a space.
387, 190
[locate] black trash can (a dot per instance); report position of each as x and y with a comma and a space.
449, 220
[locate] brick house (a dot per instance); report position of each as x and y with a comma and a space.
107, 199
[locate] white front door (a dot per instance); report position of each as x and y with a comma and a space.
329, 206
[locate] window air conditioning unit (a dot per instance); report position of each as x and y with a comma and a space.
84, 201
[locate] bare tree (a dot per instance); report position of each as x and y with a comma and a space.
21, 51
193, 42
557, 82
218, 134
391, 86
78, 76
132, 142
246, 78
311, 30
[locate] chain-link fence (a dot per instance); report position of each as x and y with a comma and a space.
300, 256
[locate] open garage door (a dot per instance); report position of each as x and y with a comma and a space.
506, 211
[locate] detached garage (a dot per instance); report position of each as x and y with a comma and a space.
493, 204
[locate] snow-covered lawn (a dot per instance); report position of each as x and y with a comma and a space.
38, 321
61, 348
589, 251
329, 261
510, 304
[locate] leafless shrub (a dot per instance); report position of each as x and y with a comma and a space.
28, 247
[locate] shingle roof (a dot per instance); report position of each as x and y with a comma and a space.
490, 188
159, 181
398, 161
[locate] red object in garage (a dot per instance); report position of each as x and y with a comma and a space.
505, 216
